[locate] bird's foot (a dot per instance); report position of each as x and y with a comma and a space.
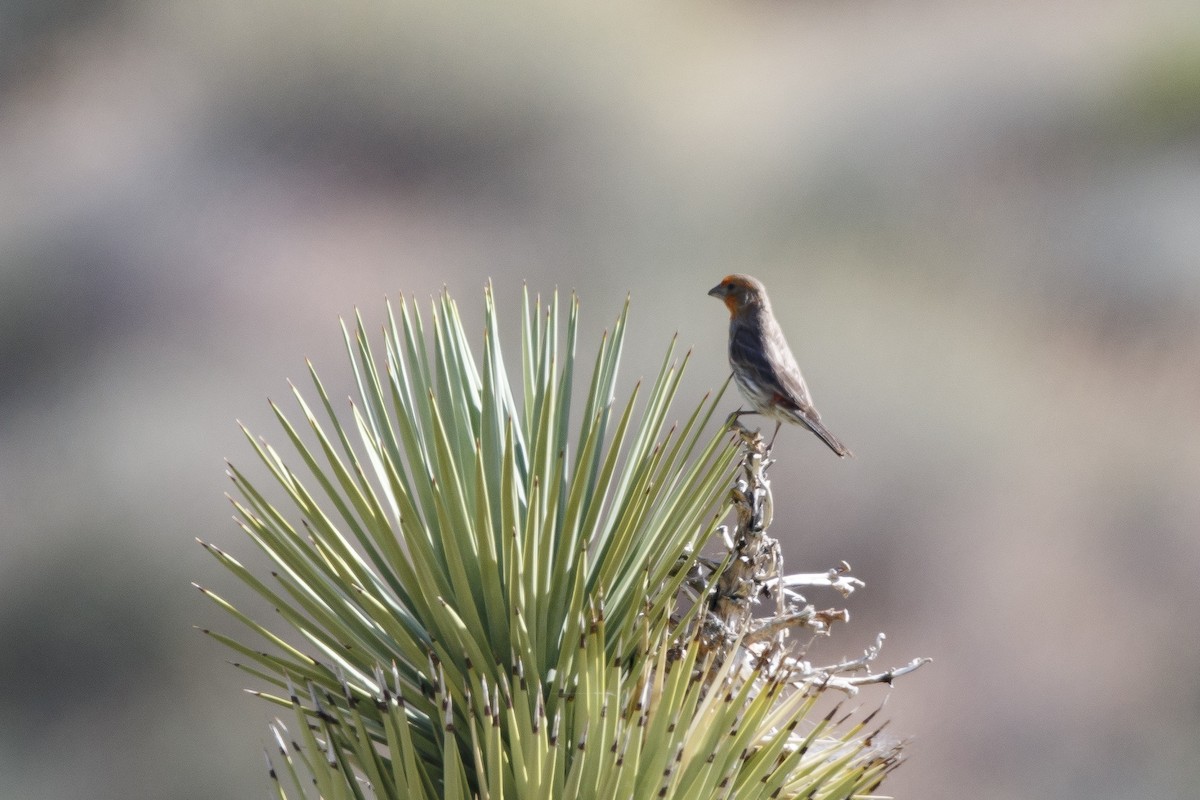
733, 421
751, 436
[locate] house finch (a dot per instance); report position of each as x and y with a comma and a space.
763, 366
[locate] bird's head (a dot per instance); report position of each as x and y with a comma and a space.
740, 292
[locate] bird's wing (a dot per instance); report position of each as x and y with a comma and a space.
763, 353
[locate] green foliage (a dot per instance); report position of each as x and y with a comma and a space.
493, 602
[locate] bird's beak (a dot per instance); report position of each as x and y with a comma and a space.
717, 291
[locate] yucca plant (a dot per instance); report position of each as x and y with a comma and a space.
481, 597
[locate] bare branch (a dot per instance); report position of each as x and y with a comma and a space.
837, 578
755, 572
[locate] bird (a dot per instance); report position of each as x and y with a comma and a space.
764, 368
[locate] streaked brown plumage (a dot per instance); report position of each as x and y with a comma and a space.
763, 366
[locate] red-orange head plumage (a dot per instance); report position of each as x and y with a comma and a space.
739, 293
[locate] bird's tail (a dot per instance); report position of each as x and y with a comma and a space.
835, 444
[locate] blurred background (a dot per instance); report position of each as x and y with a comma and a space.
980, 225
